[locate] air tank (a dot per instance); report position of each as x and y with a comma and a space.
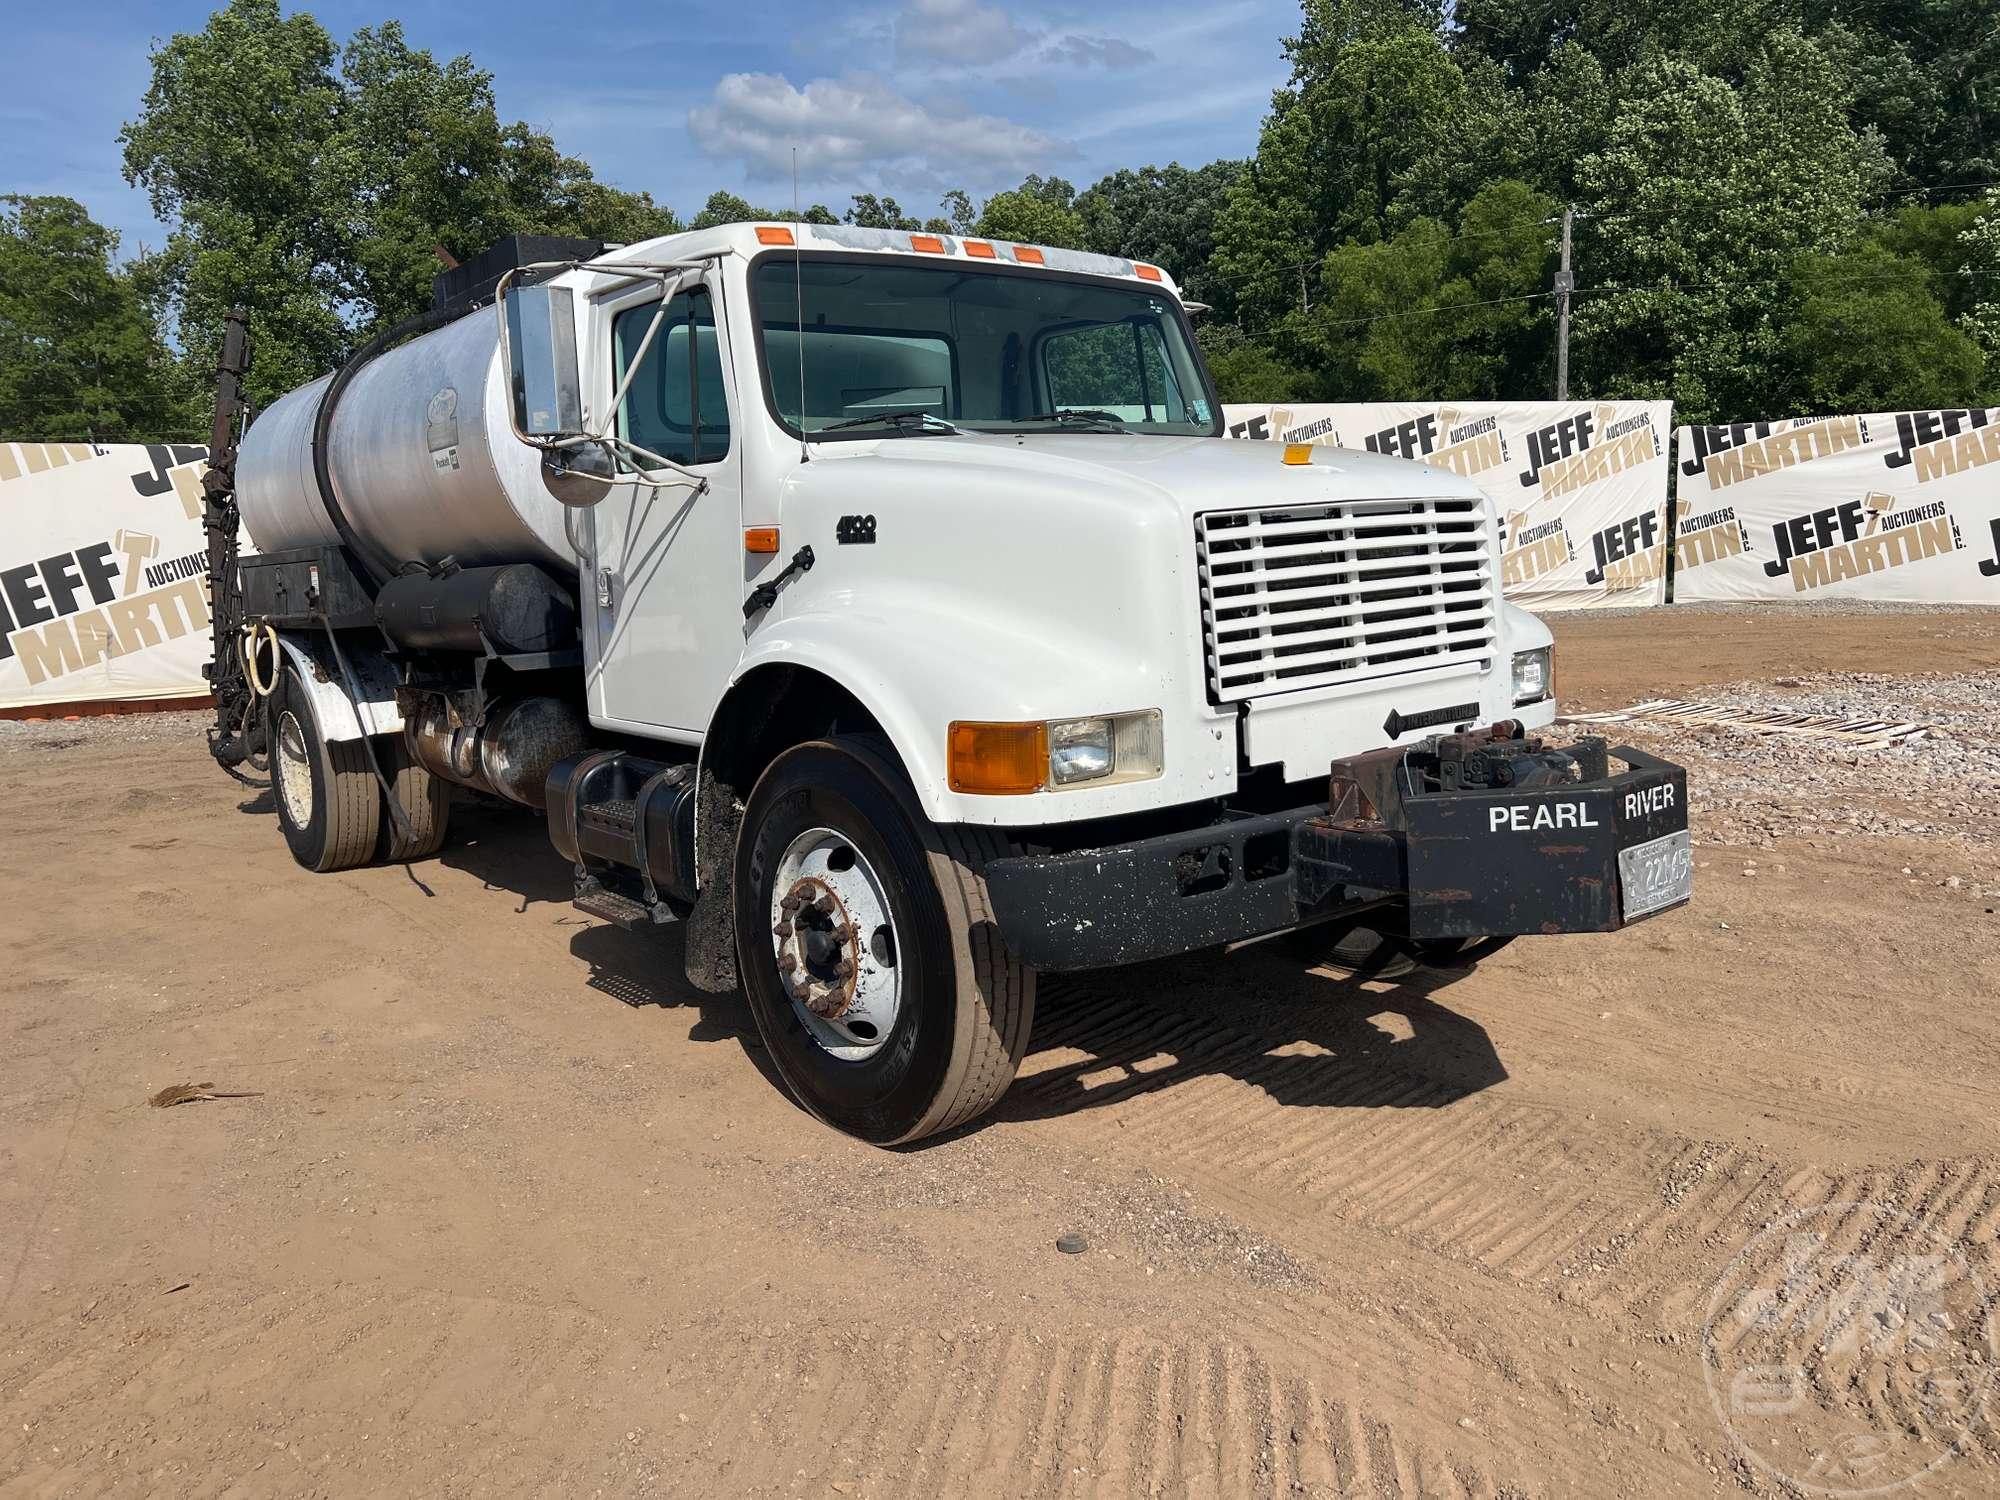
424, 463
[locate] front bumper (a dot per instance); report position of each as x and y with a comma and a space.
1579, 857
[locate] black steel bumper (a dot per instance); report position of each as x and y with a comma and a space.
1459, 863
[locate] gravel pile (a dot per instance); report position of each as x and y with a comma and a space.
1770, 608
180, 726
1753, 789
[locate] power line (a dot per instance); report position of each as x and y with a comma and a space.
1513, 226
1876, 277
1424, 312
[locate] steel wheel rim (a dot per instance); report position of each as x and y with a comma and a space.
293, 770
834, 944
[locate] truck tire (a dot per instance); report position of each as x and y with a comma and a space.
923, 1028
425, 800
328, 803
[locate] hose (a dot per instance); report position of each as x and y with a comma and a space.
248, 647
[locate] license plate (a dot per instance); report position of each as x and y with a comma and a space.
1656, 874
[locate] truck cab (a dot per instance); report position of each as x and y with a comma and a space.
891, 610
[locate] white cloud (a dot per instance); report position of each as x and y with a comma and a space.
967, 33
858, 126
1095, 51
959, 31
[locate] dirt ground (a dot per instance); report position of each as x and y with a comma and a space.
506, 1208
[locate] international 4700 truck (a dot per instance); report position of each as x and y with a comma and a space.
890, 611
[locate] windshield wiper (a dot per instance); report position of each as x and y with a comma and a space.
916, 419
1080, 416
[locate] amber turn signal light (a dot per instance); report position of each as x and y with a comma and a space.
998, 759
760, 539
773, 234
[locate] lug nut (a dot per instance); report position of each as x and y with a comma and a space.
782, 929
788, 962
827, 904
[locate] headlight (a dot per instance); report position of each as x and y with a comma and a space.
1013, 758
1534, 674
1114, 747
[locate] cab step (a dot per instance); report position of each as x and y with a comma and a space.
596, 899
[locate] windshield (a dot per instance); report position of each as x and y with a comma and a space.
888, 345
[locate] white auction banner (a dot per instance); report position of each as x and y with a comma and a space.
103, 573
1581, 486
1893, 505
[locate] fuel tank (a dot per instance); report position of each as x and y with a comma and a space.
423, 461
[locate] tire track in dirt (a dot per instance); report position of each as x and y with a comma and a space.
1509, 1187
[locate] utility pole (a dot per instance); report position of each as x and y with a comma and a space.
1565, 284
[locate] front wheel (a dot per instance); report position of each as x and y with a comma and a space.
868, 950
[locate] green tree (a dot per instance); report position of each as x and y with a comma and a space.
234, 147
1702, 199
1167, 216
1935, 238
1247, 371
1350, 148
959, 213
1981, 244
1866, 333
1925, 77
79, 357
1041, 211
870, 212
1429, 313
317, 190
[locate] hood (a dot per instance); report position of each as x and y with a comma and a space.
1194, 473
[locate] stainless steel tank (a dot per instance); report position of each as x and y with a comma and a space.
423, 461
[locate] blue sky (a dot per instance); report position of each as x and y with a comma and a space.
905, 97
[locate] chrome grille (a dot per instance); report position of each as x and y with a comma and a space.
1304, 596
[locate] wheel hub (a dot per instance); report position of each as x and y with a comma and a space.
833, 944
817, 944
291, 771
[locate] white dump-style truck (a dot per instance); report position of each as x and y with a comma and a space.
890, 611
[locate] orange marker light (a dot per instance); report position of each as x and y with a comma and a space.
979, 250
1028, 255
1298, 453
760, 539
930, 244
998, 759
773, 234
1148, 273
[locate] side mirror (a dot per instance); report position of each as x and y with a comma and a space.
541, 362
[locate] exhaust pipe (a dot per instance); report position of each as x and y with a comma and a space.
509, 755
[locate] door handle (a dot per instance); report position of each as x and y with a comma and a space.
604, 588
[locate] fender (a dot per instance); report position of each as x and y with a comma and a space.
928, 668
332, 709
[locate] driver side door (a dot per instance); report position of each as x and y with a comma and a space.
662, 597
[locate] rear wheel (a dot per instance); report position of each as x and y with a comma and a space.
425, 801
329, 806
868, 951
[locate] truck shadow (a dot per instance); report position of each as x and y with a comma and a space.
1306, 1037
507, 849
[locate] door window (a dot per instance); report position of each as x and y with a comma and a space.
676, 407
1123, 368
